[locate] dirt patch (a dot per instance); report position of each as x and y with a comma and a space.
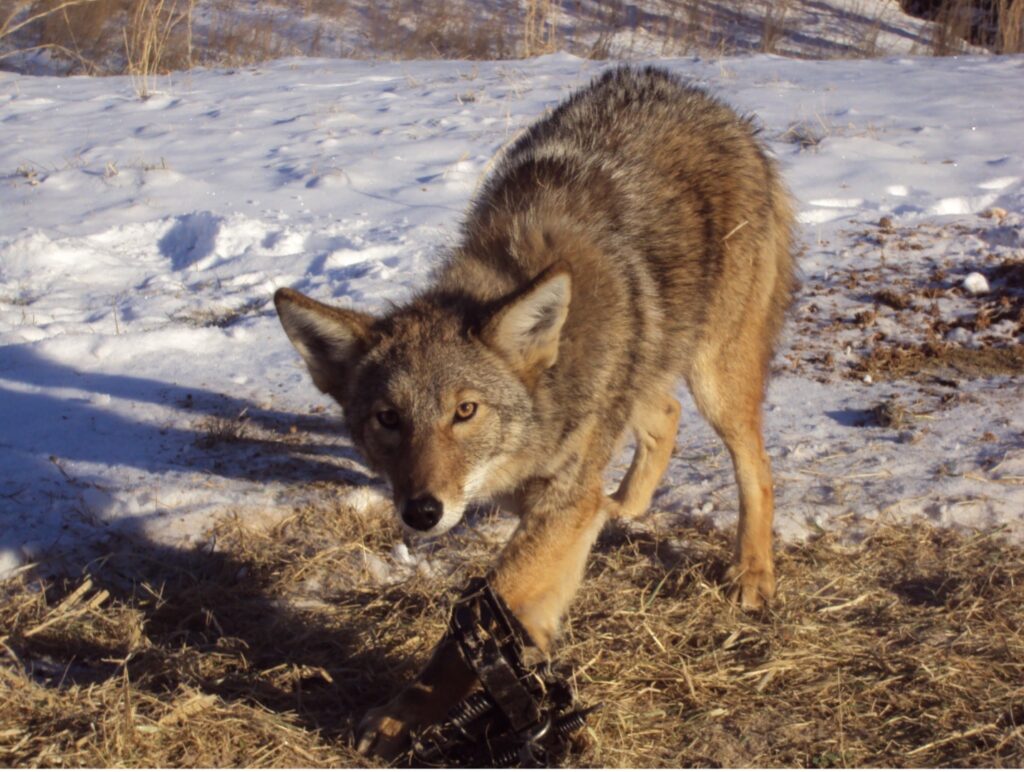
1011, 274
896, 300
899, 305
905, 650
926, 361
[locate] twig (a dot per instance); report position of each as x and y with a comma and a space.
736, 230
953, 738
65, 610
848, 604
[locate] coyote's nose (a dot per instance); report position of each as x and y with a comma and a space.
423, 513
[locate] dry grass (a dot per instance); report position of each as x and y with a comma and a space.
27, 25
137, 37
440, 29
904, 650
807, 134
929, 360
154, 29
995, 24
216, 316
953, 27
1009, 37
147, 37
538, 28
773, 26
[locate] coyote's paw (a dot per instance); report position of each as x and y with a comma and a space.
750, 588
382, 734
612, 508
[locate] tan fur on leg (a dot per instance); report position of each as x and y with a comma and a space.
541, 567
732, 405
752, 572
444, 681
655, 423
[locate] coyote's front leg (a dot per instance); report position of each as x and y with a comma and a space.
537, 575
541, 566
442, 683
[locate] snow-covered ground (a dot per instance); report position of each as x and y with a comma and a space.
146, 386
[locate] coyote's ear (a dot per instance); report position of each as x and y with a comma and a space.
526, 330
330, 339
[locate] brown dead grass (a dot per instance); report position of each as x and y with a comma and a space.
90, 36
904, 650
97, 37
441, 29
995, 24
931, 360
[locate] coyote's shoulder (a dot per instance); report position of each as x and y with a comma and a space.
670, 216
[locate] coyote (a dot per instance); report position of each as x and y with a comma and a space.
635, 236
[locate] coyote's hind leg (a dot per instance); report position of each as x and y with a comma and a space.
729, 395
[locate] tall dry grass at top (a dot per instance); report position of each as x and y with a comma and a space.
138, 37
154, 30
774, 25
1009, 38
952, 28
539, 32
439, 29
995, 24
147, 37
83, 21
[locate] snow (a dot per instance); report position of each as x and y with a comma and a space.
147, 387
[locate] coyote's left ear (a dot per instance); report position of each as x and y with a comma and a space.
527, 329
331, 340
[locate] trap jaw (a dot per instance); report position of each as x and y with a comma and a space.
524, 715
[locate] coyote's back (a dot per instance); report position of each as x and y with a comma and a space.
673, 186
635, 236
675, 224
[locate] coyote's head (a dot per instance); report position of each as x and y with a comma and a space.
438, 395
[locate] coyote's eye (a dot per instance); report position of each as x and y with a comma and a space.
388, 419
465, 411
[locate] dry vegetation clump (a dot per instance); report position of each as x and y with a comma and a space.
147, 37
193, 658
995, 24
220, 316
937, 360
442, 29
904, 650
154, 30
98, 37
807, 135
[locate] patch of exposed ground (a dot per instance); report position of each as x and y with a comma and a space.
901, 307
938, 362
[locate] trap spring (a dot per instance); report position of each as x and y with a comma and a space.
523, 715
